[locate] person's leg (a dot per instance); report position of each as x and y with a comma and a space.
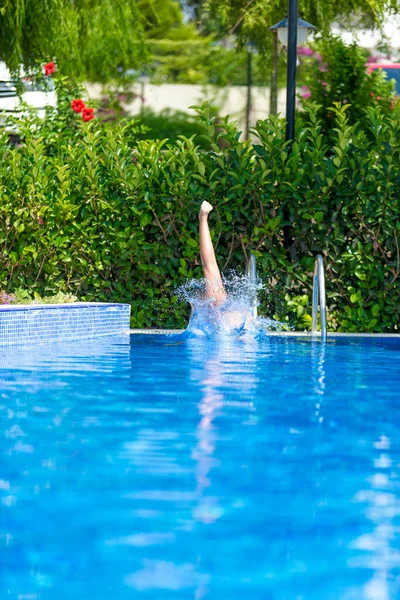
214, 287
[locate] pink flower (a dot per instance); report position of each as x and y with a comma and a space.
306, 93
324, 83
371, 94
318, 57
378, 97
302, 50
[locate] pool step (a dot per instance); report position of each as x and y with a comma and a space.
251, 272
319, 297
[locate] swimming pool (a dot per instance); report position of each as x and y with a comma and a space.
265, 470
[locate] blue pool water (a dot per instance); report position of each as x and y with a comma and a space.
205, 469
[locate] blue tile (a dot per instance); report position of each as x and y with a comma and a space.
30, 324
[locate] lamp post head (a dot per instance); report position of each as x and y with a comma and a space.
251, 47
303, 29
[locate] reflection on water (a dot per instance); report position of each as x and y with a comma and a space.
233, 467
218, 375
381, 506
211, 401
318, 351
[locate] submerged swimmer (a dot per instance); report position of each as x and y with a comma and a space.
229, 315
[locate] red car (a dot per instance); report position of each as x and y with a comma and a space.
392, 71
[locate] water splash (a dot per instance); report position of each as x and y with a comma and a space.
231, 319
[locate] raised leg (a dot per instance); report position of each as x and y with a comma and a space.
214, 287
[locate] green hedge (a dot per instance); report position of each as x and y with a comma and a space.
87, 210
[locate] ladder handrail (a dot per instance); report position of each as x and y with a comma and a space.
319, 294
251, 272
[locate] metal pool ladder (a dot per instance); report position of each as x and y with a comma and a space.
319, 294
251, 272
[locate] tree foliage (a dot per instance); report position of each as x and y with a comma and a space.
251, 19
90, 38
199, 61
164, 19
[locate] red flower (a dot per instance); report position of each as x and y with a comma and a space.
49, 69
78, 105
87, 114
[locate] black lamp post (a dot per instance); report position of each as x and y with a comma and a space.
292, 32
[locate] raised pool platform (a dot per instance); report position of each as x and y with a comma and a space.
30, 324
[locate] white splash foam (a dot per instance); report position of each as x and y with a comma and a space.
234, 317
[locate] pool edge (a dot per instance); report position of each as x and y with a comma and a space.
273, 333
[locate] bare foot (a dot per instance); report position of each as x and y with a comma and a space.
205, 209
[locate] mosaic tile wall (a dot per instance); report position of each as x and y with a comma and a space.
27, 325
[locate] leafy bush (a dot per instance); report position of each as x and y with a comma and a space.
86, 209
336, 72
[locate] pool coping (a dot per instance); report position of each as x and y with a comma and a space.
61, 306
274, 333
